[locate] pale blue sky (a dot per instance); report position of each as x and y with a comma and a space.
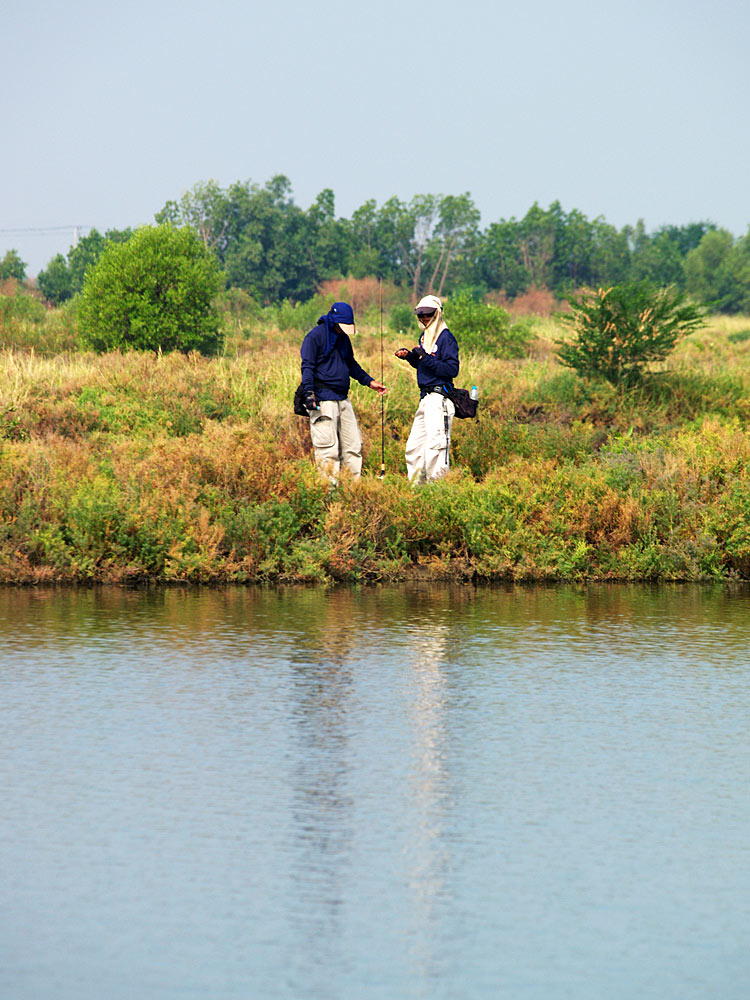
628, 111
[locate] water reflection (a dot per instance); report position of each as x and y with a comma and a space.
321, 704
408, 792
429, 850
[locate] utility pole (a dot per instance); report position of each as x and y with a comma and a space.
75, 236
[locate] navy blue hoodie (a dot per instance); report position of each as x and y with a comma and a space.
439, 368
328, 363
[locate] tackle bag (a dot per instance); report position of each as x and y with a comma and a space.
466, 407
299, 402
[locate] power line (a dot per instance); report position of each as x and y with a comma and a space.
40, 230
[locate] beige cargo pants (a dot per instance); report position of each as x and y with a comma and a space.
336, 439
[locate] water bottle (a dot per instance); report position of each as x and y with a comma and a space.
474, 392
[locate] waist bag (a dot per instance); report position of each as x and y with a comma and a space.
465, 406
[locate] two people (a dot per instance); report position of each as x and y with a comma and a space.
328, 363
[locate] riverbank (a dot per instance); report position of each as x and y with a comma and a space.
130, 468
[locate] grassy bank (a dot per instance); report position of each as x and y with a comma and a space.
124, 468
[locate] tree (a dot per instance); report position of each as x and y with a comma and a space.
455, 232
619, 330
327, 244
705, 270
734, 278
153, 293
11, 266
364, 260
537, 243
62, 279
270, 250
206, 208
499, 261
55, 282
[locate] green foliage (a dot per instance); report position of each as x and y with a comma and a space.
620, 330
55, 281
17, 309
481, 326
401, 318
128, 467
62, 279
705, 267
153, 293
735, 278
11, 266
276, 250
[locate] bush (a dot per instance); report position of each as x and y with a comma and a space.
481, 326
153, 293
402, 319
619, 330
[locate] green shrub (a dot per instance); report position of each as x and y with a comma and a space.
153, 293
481, 326
620, 330
20, 308
402, 319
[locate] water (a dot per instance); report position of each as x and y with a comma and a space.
397, 793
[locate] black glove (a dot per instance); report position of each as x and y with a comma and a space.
311, 401
418, 352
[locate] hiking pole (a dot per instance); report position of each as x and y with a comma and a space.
382, 398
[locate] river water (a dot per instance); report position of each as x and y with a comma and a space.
417, 792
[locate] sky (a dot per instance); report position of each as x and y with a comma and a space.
628, 111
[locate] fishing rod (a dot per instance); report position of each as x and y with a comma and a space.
382, 398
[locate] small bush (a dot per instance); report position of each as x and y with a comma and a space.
620, 330
402, 319
153, 293
481, 326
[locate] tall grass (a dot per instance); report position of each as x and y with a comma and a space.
128, 468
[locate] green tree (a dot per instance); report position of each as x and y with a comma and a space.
11, 266
89, 250
536, 233
153, 293
326, 236
62, 279
364, 259
55, 281
705, 267
455, 235
619, 330
499, 260
269, 248
734, 278
610, 257
206, 208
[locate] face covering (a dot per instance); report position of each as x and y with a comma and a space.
436, 325
340, 314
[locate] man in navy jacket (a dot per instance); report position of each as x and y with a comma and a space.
327, 365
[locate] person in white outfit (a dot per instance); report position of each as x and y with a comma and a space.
435, 358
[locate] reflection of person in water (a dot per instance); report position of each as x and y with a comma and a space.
322, 807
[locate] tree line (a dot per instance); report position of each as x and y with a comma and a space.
275, 250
